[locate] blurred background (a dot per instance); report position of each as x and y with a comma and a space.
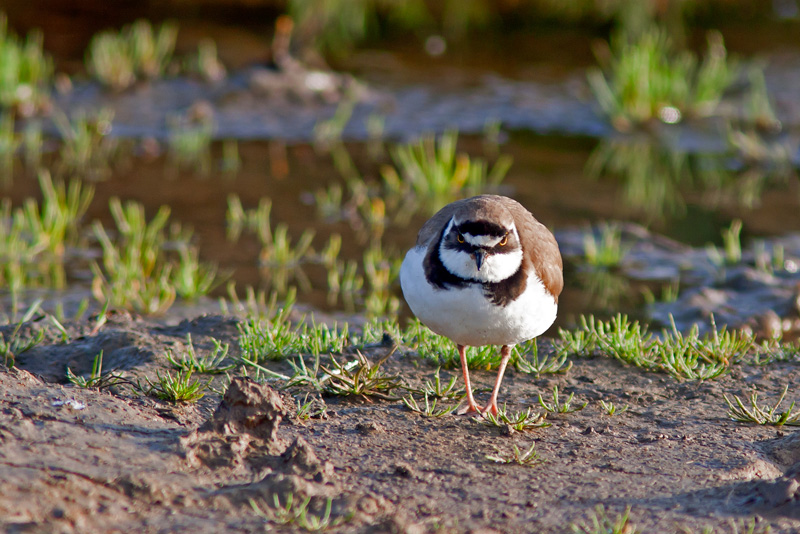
183, 156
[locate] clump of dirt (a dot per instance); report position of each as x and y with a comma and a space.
78, 460
246, 420
242, 437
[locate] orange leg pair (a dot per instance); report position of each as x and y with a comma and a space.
505, 353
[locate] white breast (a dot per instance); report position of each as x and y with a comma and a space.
467, 317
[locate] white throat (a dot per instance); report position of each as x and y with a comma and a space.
495, 267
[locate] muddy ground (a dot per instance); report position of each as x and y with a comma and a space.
76, 460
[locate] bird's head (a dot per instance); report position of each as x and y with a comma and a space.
480, 250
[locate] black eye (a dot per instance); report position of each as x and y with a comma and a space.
503, 241
460, 238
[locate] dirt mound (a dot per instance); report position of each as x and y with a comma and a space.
244, 425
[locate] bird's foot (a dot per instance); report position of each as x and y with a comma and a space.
490, 408
468, 408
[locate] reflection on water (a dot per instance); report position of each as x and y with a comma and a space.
659, 182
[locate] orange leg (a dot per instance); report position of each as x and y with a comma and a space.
471, 406
505, 352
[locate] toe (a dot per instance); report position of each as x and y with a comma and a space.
490, 408
468, 409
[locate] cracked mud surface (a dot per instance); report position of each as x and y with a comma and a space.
74, 460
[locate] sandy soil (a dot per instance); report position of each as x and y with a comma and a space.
74, 460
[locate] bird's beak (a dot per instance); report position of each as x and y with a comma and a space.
479, 257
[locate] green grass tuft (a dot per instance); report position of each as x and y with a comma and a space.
211, 363
16, 343
429, 408
647, 77
434, 174
601, 523
96, 379
178, 388
687, 356
560, 407
137, 52
26, 72
762, 415
611, 409
360, 378
35, 237
298, 513
519, 421
528, 458
87, 148
605, 250
138, 271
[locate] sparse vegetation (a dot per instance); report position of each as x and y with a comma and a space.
177, 388
206, 62
442, 351
275, 339
25, 72
211, 363
688, 356
758, 106
762, 415
87, 148
731, 252
519, 421
536, 365
777, 350
255, 303
137, 272
189, 140
435, 174
429, 409
314, 408
16, 343
96, 379
191, 277
380, 272
612, 409
277, 247
149, 261
35, 237
739, 526
439, 390
651, 173
298, 513
306, 376
328, 133
646, 77
361, 378
560, 407
605, 250
601, 523
137, 52
267, 340
528, 458
281, 257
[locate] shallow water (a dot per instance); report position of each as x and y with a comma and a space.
548, 176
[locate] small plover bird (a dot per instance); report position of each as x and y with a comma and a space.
484, 271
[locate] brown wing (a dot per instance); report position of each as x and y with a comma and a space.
541, 247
